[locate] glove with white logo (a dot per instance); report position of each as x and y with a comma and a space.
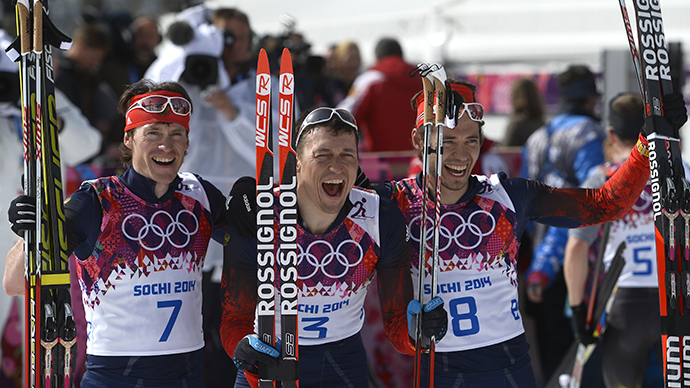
22, 214
241, 207
434, 321
251, 350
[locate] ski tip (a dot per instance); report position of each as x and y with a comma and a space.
286, 61
262, 67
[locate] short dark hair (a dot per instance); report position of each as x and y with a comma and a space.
229, 13
576, 84
140, 87
335, 126
626, 116
387, 47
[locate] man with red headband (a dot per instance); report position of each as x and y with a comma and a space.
482, 220
345, 236
140, 239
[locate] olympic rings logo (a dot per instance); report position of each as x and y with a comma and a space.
341, 254
174, 227
456, 236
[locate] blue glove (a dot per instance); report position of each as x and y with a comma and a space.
22, 214
251, 350
434, 321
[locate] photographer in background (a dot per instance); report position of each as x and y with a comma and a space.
211, 56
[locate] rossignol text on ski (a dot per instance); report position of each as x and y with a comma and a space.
283, 271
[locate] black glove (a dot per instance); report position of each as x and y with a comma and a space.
22, 214
434, 321
251, 350
241, 207
675, 114
674, 110
579, 323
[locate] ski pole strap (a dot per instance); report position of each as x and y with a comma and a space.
642, 147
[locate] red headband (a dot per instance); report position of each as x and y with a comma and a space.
138, 116
463, 90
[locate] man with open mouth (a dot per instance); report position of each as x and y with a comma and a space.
140, 239
345, 235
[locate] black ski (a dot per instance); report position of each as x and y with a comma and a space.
670, 190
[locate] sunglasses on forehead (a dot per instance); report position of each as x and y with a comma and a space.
323, 115
474, 110
156, 104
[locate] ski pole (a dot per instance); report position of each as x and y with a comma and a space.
428, 118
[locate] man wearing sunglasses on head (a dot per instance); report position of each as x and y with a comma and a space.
345, 235
482, 220
140, 239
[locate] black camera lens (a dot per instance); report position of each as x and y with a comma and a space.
201, 70
228, 38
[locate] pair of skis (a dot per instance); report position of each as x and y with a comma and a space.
670, 190
50, 332
282, 265
434, 83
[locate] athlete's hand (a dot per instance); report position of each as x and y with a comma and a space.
241, 207
251, 350
579, 323
434, 320
674, 112
22, 214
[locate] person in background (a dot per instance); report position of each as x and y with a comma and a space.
77, 75
560, 154
527, 113
632, 328
344, 63
380, 99
145, 37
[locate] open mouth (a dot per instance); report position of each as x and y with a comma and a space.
163, 161
333, 187
456, 170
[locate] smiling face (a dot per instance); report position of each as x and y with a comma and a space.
326, 171
158, 151
460, 152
